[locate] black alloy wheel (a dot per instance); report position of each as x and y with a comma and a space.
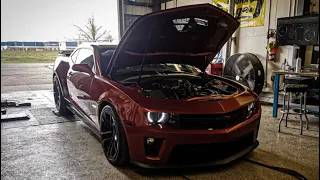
110, 137
60, 102
113, 138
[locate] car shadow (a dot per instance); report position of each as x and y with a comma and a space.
168, 172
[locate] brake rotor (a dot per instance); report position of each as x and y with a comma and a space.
247, 69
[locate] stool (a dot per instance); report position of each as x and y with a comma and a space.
297, 88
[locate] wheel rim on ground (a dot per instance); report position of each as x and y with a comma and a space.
109, 137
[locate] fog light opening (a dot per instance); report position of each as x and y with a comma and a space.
150, 141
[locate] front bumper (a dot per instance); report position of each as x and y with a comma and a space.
212, 163
192, 139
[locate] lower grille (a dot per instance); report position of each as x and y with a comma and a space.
202, 153
206, 121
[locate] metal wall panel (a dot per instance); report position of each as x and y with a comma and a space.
130, 10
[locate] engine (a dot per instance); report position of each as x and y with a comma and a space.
182, 88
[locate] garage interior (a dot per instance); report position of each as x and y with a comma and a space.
47, 146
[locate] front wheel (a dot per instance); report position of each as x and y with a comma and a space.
114, 141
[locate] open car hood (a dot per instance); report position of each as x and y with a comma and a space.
190, 35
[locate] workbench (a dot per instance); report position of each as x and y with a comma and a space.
277, 75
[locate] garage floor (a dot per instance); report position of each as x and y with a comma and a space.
51, 147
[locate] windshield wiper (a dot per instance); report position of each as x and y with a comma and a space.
175, 72
135, 72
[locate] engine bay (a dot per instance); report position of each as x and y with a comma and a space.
182, 88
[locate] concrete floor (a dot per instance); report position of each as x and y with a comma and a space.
26, 77
50, 147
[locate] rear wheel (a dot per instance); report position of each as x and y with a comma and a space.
114, 141
60, 102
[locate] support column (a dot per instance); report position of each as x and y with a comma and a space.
120, 18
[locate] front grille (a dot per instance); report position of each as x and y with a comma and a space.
206, 121
202, 153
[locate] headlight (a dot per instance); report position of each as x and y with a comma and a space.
157, 117
251, 109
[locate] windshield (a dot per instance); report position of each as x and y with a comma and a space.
106, 54
166, 68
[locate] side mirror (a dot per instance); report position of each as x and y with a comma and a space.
82, 68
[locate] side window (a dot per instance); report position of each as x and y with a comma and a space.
85, 56
74, 56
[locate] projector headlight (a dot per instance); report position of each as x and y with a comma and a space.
157, 117
251, 109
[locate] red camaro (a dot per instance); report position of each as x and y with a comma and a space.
149, 104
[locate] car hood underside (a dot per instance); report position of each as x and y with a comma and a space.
185, 35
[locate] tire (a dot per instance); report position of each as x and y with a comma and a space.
60, 102
113, 137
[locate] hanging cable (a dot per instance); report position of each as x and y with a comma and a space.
280, 169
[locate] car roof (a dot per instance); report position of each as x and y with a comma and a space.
100, 44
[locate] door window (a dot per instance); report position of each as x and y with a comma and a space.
74, 56
85, 56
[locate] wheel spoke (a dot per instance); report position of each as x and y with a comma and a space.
115, 149
113, 123
110, 148
116, 146
106, 140
106, 133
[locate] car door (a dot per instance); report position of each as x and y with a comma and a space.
81, 81
103, 57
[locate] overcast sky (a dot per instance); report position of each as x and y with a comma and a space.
52, 20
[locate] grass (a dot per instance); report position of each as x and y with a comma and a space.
30, 56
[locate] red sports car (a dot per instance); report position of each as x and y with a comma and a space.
149, 104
